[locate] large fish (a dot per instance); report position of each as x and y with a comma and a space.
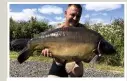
68, 43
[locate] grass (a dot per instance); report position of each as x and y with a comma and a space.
14, 55
105, 67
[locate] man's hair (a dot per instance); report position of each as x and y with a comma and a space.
76, 5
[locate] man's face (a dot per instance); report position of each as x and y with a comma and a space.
73, 15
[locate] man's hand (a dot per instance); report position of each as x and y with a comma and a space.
45, 52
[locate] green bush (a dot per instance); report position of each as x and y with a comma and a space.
113, 33
29, 29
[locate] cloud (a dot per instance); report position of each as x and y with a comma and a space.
105, 14
50, 9
95, 14
83, 19
97, 20
25, 15
101, 7
56, 22
87, 16
58, 18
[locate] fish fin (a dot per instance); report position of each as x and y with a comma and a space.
93, 61
24, 55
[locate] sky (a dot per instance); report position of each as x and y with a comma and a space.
54, 13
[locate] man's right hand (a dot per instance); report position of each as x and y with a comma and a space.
45, 52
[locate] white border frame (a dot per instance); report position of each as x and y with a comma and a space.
63, 79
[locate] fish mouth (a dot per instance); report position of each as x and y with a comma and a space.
106, 48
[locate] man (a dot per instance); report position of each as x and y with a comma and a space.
59, 67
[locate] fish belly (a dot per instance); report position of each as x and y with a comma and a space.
71, 51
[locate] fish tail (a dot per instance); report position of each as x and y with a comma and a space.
18, 44
24, 55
